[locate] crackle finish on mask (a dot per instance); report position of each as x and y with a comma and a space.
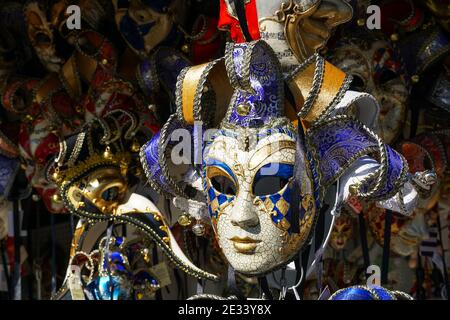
253, 230
376, 69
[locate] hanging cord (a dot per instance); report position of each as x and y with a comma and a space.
363, 238
158, 294
106, 254
38, 260
334, 213
30, 251
53, 254
72, 223
264, 285
420, 275
232, 285
17, 243
200, 288
239, 7
444, 264
386, 247
299, 278
5, 268
283, 284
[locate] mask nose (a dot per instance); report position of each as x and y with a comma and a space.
244, 214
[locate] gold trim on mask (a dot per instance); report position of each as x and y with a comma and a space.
190, 85
267, 150
330, 86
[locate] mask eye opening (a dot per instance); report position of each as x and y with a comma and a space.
268, 182
223, 184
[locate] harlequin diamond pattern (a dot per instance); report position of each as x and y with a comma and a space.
216, 200
278, 205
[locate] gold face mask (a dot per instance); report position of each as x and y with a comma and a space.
105, 188
342, 232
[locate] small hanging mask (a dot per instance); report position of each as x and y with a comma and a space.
376, 69
145, 24
42, 32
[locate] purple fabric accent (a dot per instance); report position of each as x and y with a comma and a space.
414, 57
265, 84
153, 167
169, 64
148, 76
8, 170
335, 145
394, 172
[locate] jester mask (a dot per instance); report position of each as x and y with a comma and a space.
264, 176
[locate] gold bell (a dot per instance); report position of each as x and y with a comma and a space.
104, 62
394, 37
56, 198
361, 22
107, 154
55, 176
185, 48
353, 189
415, 78
184, 220
79, 109
243, 109
135, 146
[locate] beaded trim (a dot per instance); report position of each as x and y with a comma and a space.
340, 95
162, 157
199, 98
372, 292
150, 179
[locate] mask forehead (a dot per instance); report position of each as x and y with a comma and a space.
275, 148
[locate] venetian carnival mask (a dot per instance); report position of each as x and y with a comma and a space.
376, 69
342, 232
295, 29
41, 32
94, 172
249, 168
249, 196
38, 146
144, 24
